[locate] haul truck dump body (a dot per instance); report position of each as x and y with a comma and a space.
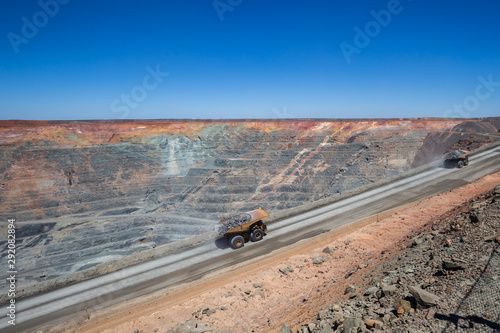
241, 228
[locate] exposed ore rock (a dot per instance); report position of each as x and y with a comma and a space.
371, 291
452, 266
319, 260
328, 250
423, 297
232, 222
455, 154
351, 324
388, 290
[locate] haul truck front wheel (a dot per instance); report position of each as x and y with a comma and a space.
237, 242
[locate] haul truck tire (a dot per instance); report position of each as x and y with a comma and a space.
237, 242
460, 164
257, 235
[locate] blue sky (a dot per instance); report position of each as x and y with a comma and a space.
70, 59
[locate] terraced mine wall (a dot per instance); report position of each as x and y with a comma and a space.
83, 193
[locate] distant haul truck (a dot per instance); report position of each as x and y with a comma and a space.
244, 227
456, 158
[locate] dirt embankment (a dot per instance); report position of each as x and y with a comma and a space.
295, 284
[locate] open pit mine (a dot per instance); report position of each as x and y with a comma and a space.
84, 193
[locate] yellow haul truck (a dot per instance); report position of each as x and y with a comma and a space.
241, 228
456, 158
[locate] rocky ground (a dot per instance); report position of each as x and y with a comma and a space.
429, 267
448, 279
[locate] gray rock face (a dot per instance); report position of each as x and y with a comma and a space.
328, 250
320, 260
452, 266
388, 290
286, 270
371, 291
423, 297
351, 324
417, 241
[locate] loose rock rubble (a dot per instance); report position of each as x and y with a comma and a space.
447, 279
196, 325
231, 223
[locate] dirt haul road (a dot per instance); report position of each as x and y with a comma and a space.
195, 263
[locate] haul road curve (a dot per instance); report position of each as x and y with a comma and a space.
59, 305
